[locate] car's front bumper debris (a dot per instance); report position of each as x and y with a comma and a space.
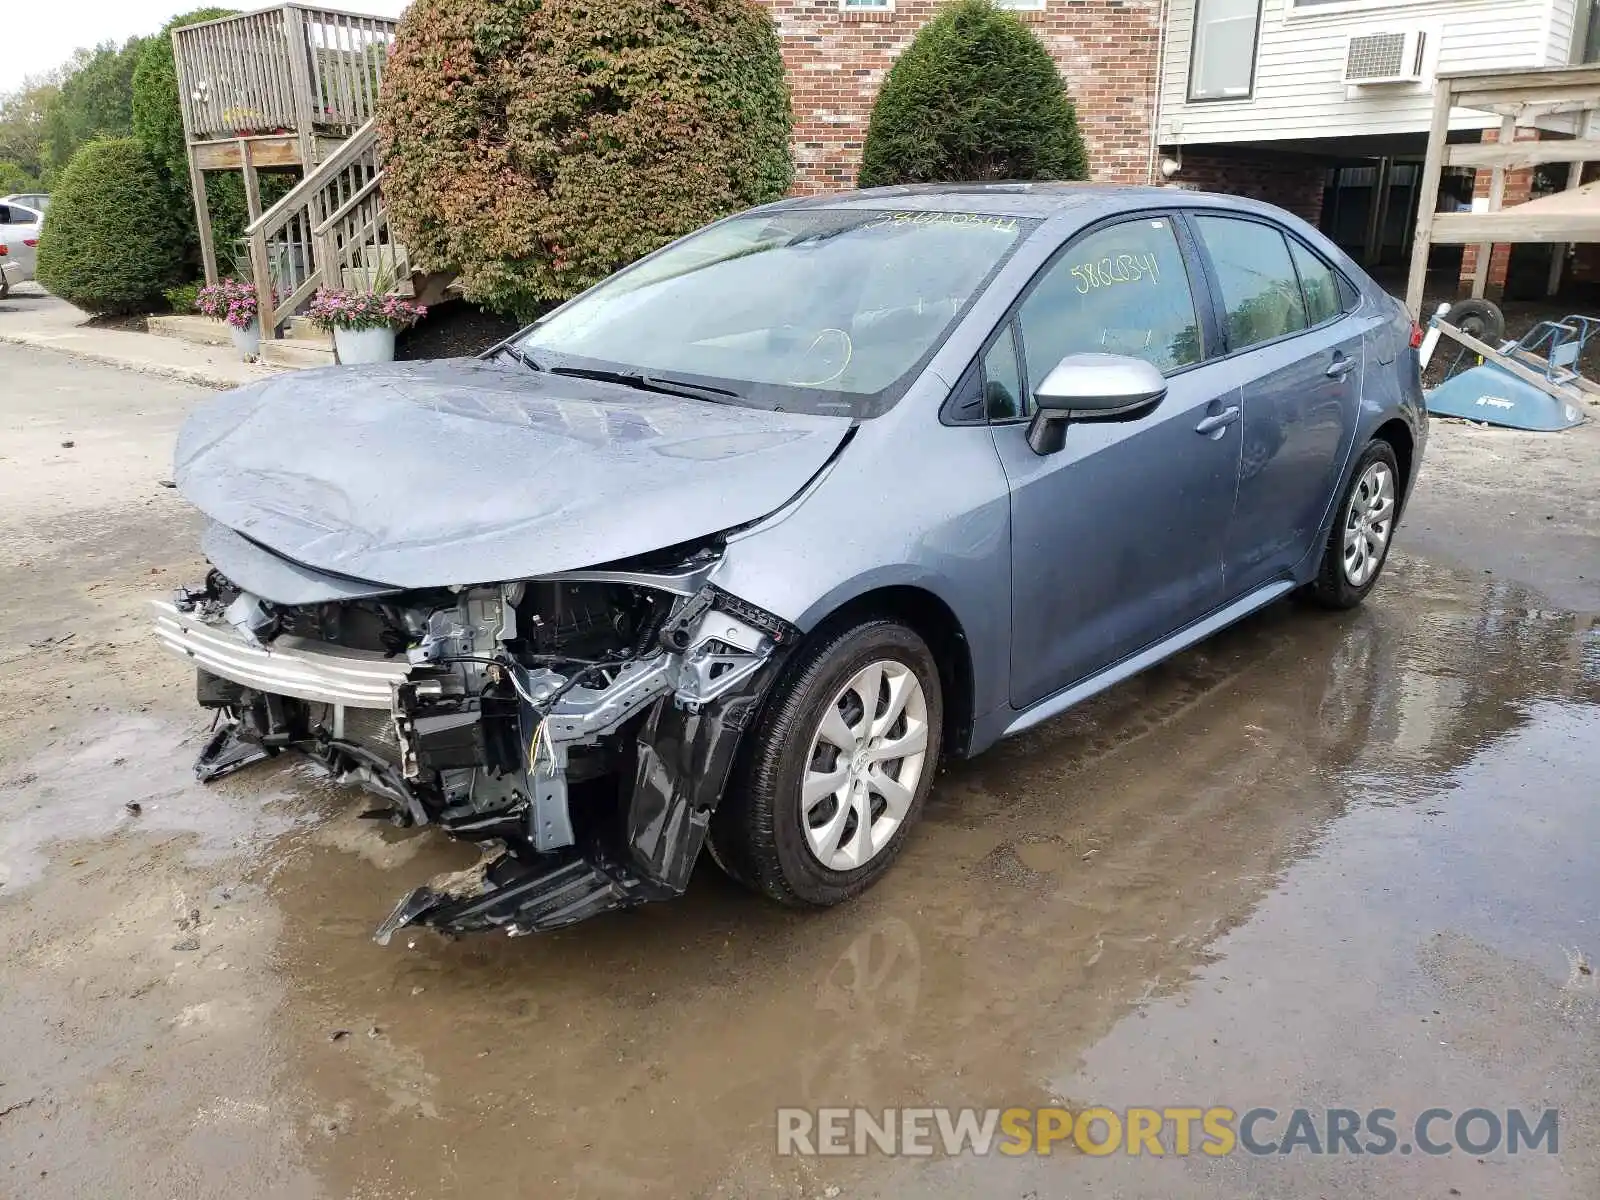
589, 778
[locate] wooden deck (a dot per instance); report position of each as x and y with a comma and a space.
1568, 96
280, 89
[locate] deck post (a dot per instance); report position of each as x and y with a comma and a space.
1497, 197
1377, 213
1428, 199
202, 219
197, 177
260, 265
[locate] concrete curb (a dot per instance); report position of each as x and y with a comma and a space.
198, 376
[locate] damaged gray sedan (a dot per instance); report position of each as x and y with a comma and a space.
724, 553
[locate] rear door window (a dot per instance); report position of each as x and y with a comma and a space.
1120, 290
1260, 287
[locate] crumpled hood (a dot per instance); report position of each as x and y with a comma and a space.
464, 471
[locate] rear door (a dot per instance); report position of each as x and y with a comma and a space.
1299, 356
1116, 539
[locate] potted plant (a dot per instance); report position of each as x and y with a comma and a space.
363, 323
234, 301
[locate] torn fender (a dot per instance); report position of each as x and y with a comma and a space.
684, 762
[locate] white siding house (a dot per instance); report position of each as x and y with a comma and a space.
1248, 72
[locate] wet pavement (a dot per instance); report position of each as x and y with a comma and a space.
1322, 860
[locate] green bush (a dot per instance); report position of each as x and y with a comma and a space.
536, 147
181, 299
975, 96
110, 242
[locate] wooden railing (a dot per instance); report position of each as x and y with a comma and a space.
332, 231
293, 69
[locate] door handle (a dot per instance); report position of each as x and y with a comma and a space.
1218, 421
1340, 367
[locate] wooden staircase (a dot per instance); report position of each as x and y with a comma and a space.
331, 231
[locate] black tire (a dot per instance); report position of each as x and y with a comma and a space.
1481, 318
1332, 587
756, 833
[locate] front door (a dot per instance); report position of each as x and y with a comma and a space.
1118, 538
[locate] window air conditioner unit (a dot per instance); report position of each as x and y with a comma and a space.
1392, 56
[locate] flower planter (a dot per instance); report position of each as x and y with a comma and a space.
247, 341
364, 345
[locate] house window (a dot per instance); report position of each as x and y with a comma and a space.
866, 5
1222, 64
1021, 5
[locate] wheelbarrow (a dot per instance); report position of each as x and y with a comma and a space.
1532, 382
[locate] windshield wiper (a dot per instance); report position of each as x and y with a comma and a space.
652, 383
518, 356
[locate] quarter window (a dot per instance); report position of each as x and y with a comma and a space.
1259, 286
1320, 284
1002, 383
1121, 290
1222, 60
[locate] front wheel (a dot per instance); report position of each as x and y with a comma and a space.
836, 773
1358, 546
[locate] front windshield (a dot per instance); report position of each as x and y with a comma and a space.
812, 310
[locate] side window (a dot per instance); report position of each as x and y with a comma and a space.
1320, 284
1002, 383
5, 215
1259, 286
1121, 290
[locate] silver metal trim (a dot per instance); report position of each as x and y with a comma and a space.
289, 666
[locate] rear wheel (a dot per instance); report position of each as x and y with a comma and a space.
837, 772
1358, 545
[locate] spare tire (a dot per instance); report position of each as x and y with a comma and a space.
1480, 318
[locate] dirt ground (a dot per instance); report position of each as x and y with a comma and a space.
1321, 860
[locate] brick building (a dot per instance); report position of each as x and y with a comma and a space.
837, 54
1109, 52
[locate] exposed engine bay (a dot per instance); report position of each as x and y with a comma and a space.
581, 727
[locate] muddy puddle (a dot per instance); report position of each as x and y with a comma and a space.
1246, 877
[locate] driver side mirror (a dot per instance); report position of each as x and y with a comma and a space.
1091, 387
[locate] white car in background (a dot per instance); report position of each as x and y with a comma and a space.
38, 201
19, 232
10, 271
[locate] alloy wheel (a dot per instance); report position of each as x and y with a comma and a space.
1369, 521
867, 757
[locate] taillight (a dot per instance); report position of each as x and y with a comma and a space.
1416, 336
4, 249
30, 242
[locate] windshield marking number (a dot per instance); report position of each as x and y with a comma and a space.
970, 220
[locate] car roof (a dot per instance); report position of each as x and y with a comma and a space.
1040, 199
